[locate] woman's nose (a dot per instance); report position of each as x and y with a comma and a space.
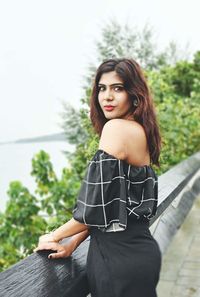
108, 95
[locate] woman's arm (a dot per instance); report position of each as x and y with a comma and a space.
78, 238
70, 228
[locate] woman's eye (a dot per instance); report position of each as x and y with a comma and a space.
101, 89
118, 88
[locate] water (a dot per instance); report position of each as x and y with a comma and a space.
15, 163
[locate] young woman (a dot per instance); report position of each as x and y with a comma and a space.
118, 195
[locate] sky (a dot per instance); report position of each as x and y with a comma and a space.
46, 47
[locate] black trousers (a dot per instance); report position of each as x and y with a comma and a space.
125, 263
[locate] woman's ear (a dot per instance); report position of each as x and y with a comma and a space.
135, 102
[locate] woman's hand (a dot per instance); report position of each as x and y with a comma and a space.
48, 242
61, 251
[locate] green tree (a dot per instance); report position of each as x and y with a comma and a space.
20, 225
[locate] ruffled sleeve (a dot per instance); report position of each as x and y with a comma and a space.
102, 197
113, 190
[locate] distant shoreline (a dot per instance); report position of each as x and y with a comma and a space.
44, 138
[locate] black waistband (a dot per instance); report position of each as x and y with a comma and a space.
133, 225
132, 222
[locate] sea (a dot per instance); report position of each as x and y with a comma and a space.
15, 163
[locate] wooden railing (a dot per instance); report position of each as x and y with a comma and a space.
37, 276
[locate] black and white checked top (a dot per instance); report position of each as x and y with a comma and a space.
112, 190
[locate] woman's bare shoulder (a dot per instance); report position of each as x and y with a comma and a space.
137, 145
112, 139
120, 128
123, 138
116, 136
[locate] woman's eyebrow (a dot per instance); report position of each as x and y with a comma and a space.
115, 84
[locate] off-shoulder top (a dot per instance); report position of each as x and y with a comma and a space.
113, 190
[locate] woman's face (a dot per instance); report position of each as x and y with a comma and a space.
113, 98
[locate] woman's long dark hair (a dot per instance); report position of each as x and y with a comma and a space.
136, 86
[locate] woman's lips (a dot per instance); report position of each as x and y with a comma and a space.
109, 107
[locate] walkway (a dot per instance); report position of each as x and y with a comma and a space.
180, 274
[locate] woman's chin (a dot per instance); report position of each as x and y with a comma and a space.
110, 117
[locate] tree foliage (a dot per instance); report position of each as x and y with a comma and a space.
20, 225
